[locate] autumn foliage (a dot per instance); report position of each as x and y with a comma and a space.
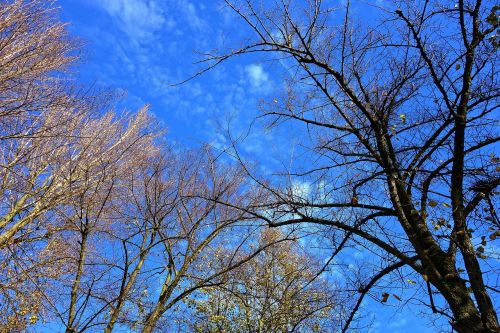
106, 225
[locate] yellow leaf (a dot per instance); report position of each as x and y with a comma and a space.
403, 118
433, 203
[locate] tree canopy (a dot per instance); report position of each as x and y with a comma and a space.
106, 224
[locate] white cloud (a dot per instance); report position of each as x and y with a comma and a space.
398, 322
138, 18
191, 15
257, 76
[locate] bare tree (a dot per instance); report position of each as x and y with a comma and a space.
35, 106
150, 198
74, 177
35, 54
145, 234
56, 149
42, 128
114, 149
192, 237
90, 210
400, 116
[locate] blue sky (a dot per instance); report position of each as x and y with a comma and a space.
142, 47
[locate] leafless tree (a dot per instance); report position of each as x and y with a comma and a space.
35, 106
59, 209
146, 234
399, 108
35, 54
92, 210
115, 149
193, 236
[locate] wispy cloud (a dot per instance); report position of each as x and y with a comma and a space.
147, 45
191, 14
258, 78
139, 19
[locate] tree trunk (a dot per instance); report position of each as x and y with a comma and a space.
124, 292
76, 283
151, 320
